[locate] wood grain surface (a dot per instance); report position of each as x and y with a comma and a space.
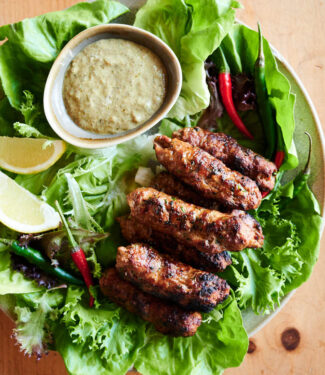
297, 29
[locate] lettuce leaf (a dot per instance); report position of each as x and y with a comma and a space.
103, 180
11, 282
34, 313
240, 47
109, 332
8, 115
302, 209
193, 32
108, 339
291, 225
220, 342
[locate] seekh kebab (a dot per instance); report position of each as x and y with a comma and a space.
167, 318
134, 231
232, 154
206, 174
207, 230
171, 185
162, 276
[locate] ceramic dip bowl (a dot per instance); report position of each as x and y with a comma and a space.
54, 107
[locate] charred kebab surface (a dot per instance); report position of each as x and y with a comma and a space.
206, 174
162, 276
232, 154
209, 231
167, 318
133, 231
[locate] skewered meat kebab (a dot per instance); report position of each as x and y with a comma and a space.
171, 185
167, 318
162, 276
206, 174
232, 154
209, 231
134, 231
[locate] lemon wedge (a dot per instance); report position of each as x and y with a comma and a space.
29, 155
22, 211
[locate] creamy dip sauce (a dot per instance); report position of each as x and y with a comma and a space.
114, 85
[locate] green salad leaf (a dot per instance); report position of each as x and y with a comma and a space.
112, 335
13, 282
34, 314
291, 226
193, 32
220, 342
94, 187
8, 116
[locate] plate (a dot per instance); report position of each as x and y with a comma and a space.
306, 119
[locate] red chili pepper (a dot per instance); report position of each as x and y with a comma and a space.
225, 88
78, 256
264, 194
279, 157
280, 153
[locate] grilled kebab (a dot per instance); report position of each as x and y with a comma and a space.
171, 185
167, 318
162, 276
232, 154
209, 231
206, 174
134, 231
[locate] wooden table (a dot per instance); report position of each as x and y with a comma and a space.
297, 29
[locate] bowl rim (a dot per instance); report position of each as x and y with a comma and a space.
91, 143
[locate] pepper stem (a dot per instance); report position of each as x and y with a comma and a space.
221, 62
307, 167
6, 241
72, 241
260, 45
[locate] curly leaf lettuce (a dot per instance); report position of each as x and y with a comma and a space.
35, 313
107, 340
193, 32
109, 332
291, 225
98, 183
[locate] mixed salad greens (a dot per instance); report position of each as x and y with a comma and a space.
91, 187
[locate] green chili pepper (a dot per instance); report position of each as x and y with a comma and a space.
265, 110
33, 256
305, 173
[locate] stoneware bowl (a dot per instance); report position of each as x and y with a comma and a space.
54, 107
